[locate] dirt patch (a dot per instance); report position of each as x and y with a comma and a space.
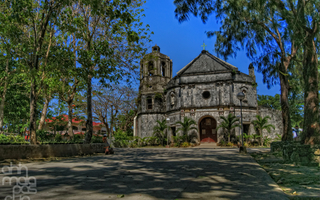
298, 182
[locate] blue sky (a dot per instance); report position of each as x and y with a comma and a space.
182, 42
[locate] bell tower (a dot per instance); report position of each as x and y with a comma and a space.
155, 73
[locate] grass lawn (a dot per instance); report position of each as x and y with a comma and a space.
298, 182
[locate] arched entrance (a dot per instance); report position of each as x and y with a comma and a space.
208, 130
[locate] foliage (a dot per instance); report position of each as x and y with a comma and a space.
96, 139
278, 137
247, 137
267, 141
12, 139
262, 124
186, 126
270, 101
185, 144
229, 124
245, 144
178, 140
160, 130
229, 144
58, 137
78, 137
121, 139
43, 135
222, 143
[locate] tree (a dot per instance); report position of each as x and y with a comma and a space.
29, 20
270, 101
255, 26
229, 124
303, 19
262, 124
98, 25
186, 126
114, 106
160, 130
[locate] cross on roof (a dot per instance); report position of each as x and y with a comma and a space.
204, 46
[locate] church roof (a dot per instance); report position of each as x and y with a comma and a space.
206, 62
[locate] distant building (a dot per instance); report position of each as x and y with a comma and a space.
203, 90
78, 125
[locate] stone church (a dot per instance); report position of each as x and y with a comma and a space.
203, 90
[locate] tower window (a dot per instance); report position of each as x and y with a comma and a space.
163, 68
150, 68
149, 103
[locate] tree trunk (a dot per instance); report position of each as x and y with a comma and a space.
44, 113
3, 98
89, 127
111, 122
261, 144
33, 111
284, 87
70, 131
311, 93
229, 138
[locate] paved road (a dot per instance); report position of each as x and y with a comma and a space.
141, 174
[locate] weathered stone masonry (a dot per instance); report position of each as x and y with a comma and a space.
203, 90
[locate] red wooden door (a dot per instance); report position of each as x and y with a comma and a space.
208, 130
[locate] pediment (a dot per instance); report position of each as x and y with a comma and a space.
207, 63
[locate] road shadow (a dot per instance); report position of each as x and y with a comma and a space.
154, 174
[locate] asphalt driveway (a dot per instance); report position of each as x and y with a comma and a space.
175, 173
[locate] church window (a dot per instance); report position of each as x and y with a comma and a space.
149, 103
150, 68
163, 68
206, 94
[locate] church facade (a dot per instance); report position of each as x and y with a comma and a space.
203, 90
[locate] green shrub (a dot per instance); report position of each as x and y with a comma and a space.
245, 144
176, 144
121, 139
78, 137
12, 139
43, 135
179, 139
278, 138
58, 137
229, 144
222, 143
267, 141
96, 139
153, 141
185, 144
4, 139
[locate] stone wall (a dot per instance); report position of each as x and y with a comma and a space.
146, 122
294, 152
275, 119
50, 150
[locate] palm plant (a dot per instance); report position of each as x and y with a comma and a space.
229, 124
255, 136
159, 130
186, 126
262, 124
